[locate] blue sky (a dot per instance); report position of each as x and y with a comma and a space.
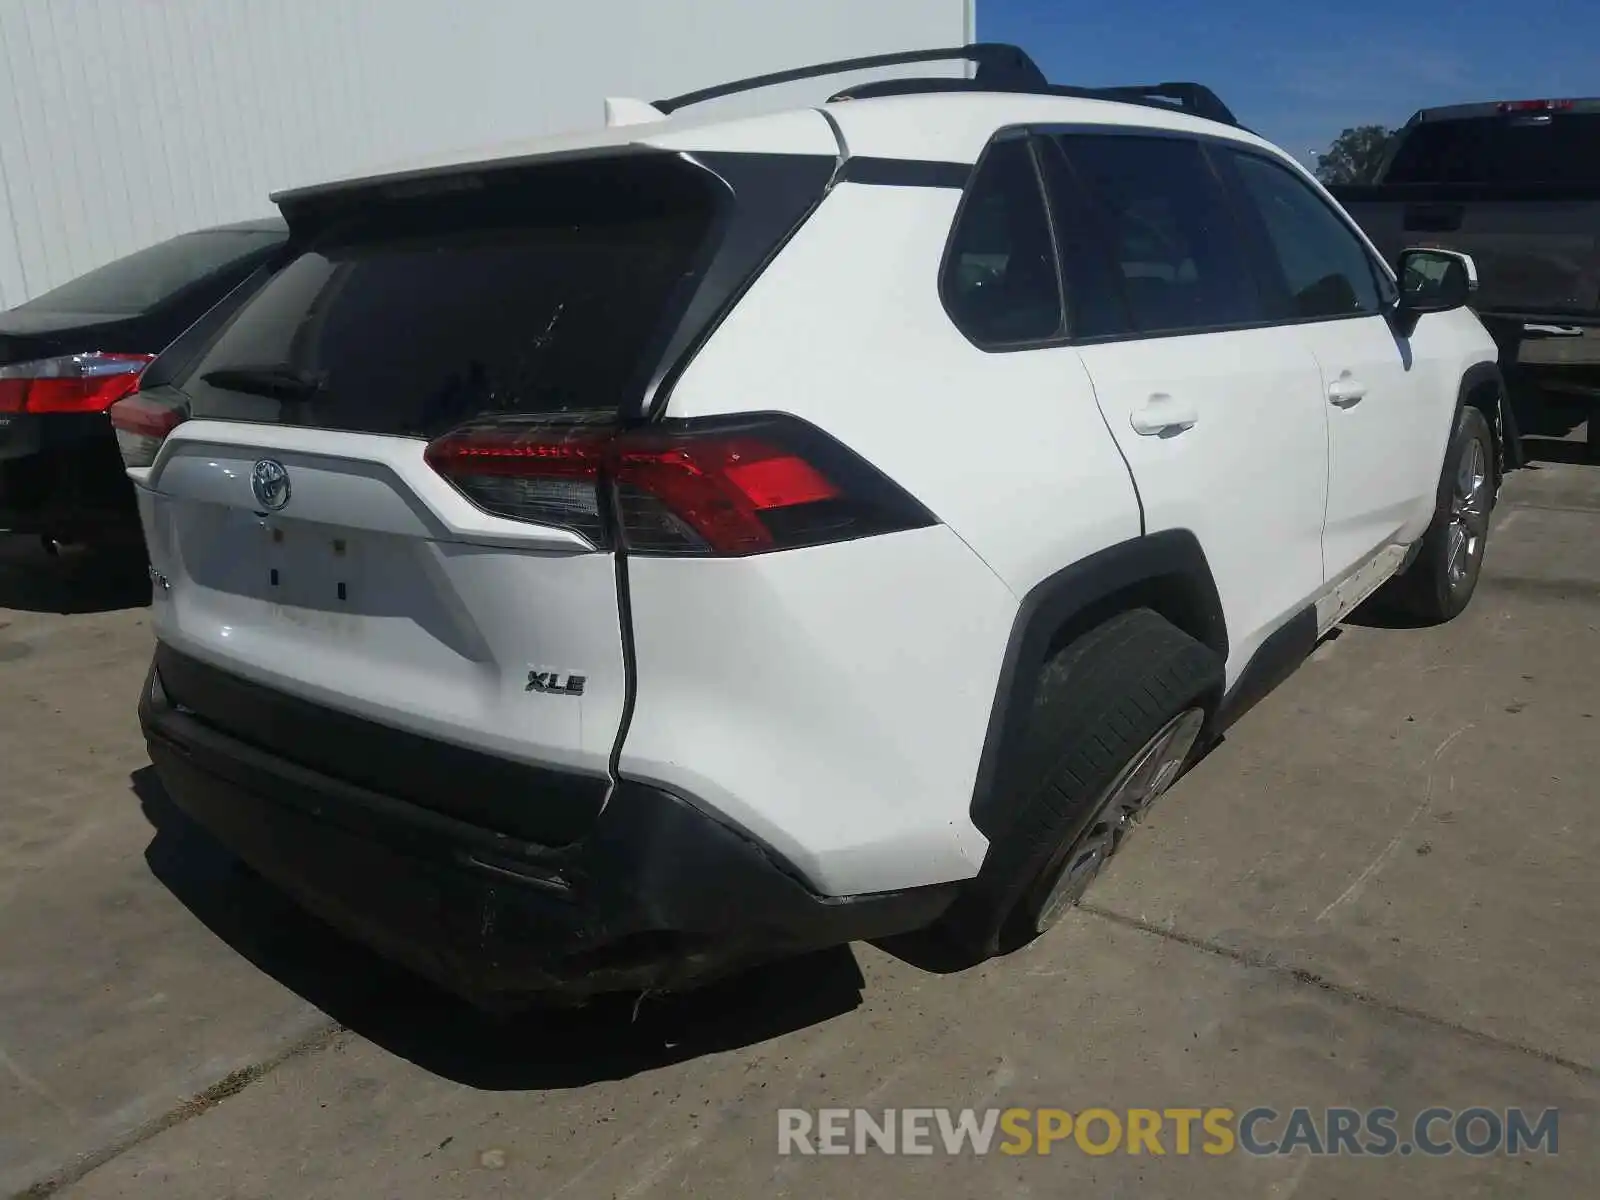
1298, 73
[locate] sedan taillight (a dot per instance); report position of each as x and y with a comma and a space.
73, 383
142, 422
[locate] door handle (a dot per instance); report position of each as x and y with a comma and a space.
1344, 392
1163, 417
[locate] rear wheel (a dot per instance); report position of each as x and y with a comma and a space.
1440, 583
1062, 882
1116, 718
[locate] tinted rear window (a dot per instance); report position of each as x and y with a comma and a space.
148, 277
537, 292
1561, 148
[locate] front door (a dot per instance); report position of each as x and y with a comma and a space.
1383, 438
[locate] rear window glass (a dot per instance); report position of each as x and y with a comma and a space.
1000, 279
1558, 148
541, 292
148, 277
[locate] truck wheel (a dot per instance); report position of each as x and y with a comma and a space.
1439, 584
1115, 719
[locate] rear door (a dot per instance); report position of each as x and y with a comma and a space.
1218, 413
309, 539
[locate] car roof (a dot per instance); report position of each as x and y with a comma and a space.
937, 126
956, 126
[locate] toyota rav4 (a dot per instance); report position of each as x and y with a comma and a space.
610, 562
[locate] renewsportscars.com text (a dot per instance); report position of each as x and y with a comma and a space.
1259, 1131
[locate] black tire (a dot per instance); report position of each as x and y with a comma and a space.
1099, 701
1430, 590
1594, 435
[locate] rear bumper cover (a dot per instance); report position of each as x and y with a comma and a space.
61, 475
655, 895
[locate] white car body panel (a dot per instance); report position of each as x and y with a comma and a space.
1382, 432
831, 701
1248, 477
444, 609
956, 127
1009, 450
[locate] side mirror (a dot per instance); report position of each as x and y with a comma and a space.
1433, 280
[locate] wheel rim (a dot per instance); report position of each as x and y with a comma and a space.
1469, 515
1144, 777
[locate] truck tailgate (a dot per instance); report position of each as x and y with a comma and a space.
1536, 257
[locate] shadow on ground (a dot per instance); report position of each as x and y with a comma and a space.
612, 1038
1557, 450
34, 581
1551, 405
1379, 612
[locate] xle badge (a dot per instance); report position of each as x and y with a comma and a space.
558, 683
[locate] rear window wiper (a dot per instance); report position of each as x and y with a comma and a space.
279, 381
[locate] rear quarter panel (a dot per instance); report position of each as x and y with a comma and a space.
847, 331
834, 700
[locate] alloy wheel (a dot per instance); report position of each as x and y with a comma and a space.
1469, 515
1145, 776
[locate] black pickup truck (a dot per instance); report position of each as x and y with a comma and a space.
1515, 184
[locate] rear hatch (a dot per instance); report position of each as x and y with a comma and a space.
1518, 188
310, 534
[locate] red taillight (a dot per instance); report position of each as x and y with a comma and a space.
142, 422
74, 383
1511, 106
544, 473
721, 486
716, 488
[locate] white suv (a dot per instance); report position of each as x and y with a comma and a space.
609, 562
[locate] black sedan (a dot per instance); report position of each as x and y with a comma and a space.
68, 355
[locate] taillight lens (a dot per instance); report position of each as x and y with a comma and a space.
74, 383
689, 487
546, 473
142, 422
1510, 106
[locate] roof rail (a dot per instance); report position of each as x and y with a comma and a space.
1193, 98
1000, 68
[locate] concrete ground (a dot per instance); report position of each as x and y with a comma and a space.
1379, 891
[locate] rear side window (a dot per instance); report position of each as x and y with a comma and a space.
1161, 216
1000, 284
534, 293
1536, 148
1326, 271
155, 274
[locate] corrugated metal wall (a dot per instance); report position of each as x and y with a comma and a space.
123, 122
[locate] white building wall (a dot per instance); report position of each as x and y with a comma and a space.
123, 122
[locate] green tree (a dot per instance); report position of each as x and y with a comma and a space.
1354, 155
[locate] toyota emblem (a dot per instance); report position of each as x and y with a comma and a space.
270, 483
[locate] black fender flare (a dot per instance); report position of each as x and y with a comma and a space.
1508, 437
1077, 596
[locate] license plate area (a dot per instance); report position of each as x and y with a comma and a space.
310, 569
